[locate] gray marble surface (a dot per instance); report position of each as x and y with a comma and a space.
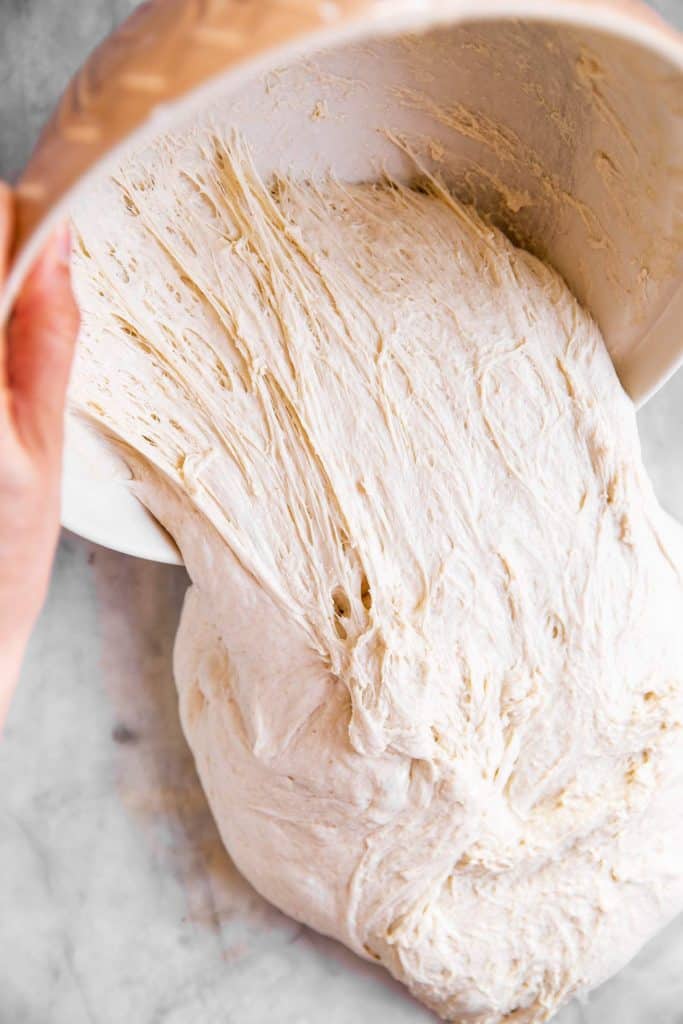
117, 901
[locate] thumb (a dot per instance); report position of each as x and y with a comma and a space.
41, 342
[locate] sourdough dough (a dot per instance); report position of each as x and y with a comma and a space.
431, 664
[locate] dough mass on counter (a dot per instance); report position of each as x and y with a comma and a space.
431, 661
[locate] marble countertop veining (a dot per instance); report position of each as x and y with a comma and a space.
117, 900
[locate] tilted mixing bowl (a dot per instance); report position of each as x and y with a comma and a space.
560, 120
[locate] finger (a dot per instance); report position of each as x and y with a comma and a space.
41, 342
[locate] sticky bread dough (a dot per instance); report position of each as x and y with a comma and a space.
431, 664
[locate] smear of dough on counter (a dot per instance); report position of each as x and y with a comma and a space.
431, 663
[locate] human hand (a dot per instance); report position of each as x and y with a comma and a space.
36, 351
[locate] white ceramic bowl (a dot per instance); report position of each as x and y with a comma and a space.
565, 126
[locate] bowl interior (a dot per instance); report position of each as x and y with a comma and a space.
565, 136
